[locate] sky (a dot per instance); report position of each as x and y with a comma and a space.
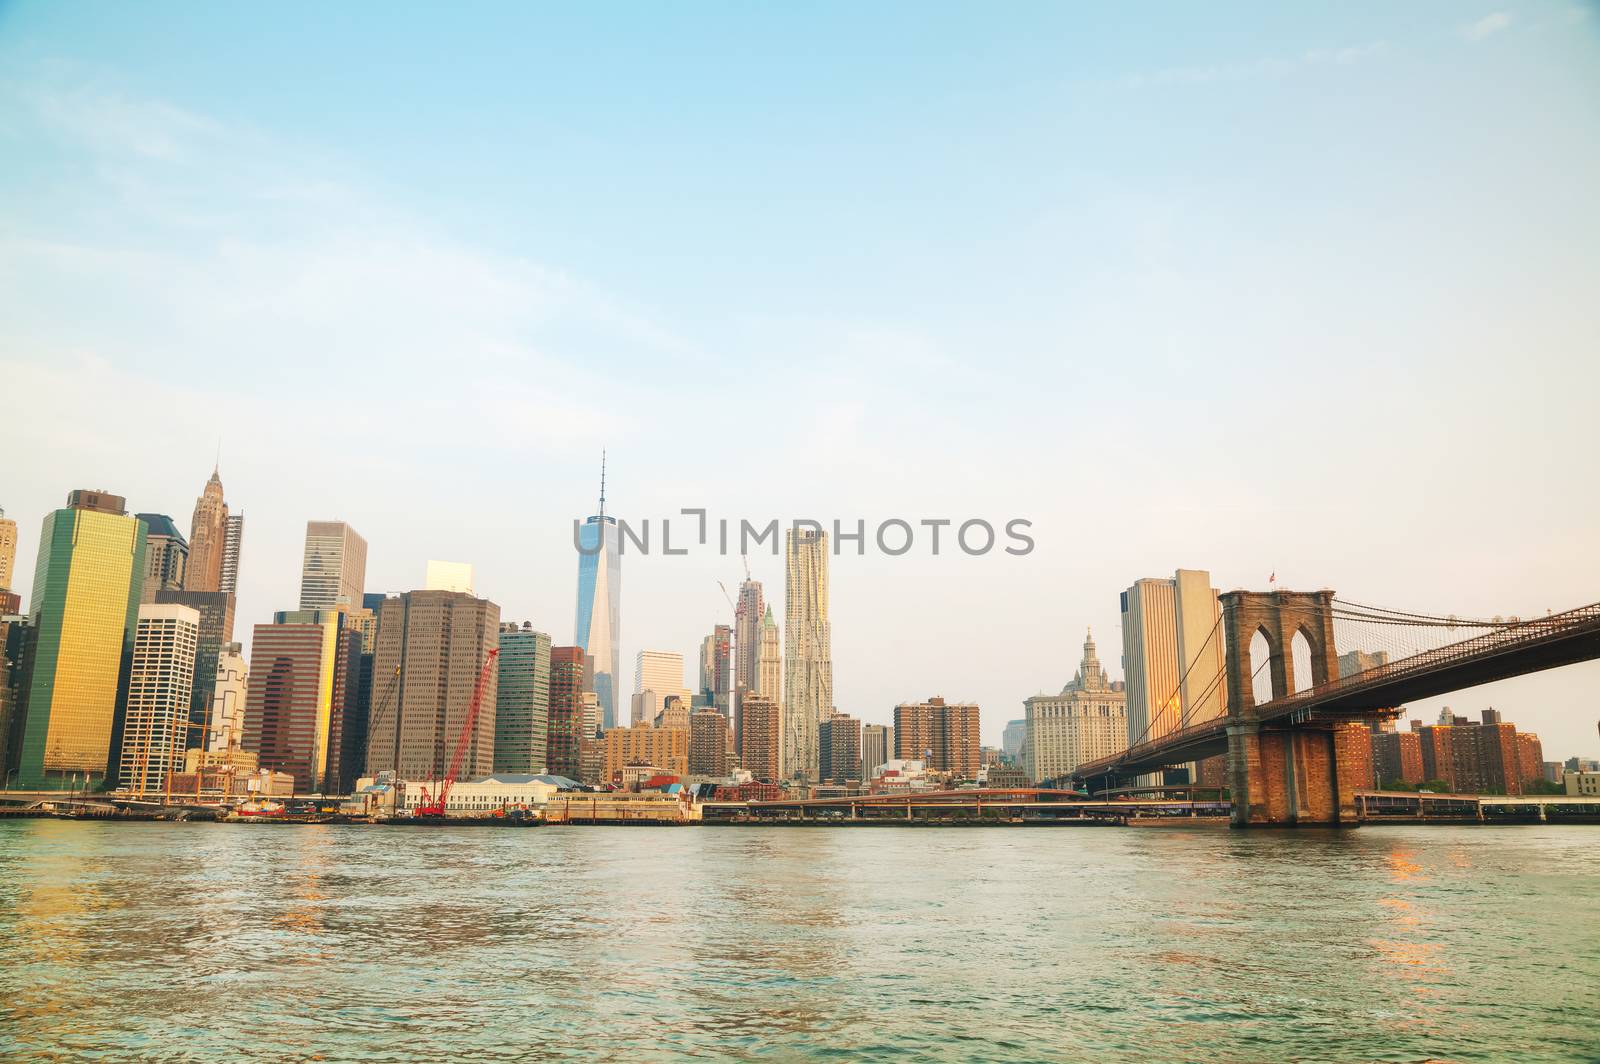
1302, 290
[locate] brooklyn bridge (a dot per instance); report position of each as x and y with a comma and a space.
1293, 748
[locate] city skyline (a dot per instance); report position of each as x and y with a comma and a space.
995, 718
1085, 209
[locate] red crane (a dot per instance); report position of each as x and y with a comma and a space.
430, 806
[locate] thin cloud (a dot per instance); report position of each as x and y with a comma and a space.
1487, 26
1277, 67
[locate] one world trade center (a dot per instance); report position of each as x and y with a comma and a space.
598, 628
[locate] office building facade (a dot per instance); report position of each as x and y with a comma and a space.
877, 747
86, 590
301, 690
598, 626
333, 572
808, 654
437, 642
1172, 655
568, 683
8, 551
657, 676
216, 609
155, 729
747, 617
229, 691
208, 531
522, 701
1086, 721
166, 556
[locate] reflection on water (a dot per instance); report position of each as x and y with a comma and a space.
192, 941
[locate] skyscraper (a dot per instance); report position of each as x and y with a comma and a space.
657, 676
8, 550
334, 571
16, 636
769, 671
1172, 654
716, 667
808, 658
439, 641
747, 617
304, 677
522, 701
166, 556
1012, 738
85, 607
216, 631
155, 730
568, 684
232, 548
877, 747
599, 618
769, 661
229, 691
208, 533
1087, 720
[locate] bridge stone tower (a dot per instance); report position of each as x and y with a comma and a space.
1286, 771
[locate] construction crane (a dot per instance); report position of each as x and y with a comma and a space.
383, 704
431, 806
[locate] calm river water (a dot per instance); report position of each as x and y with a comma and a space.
228, 942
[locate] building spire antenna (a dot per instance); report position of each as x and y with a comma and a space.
602, 482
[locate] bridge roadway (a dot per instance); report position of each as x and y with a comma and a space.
1527, 646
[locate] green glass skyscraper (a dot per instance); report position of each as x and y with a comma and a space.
522, 700
85, 610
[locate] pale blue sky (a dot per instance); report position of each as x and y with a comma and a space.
1251, 288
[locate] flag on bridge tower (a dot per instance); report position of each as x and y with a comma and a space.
1273, 579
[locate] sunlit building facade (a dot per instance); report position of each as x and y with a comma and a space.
208, 533
808, 655
155, 730
761, 738
304, 676
1087, 720
1172, 655
225, 729
943, 734
657, 676
232, 549
599, 619
216, 631
333, 572
747, 618
565, 733
8, 551
439, 641
86, 589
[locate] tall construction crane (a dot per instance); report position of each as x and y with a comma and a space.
431, 806
377, 713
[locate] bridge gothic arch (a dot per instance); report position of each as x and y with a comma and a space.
1281, 773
